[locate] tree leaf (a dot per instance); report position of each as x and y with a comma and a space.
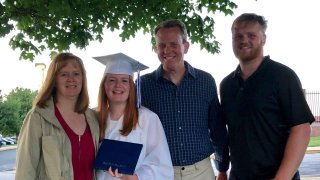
58, 24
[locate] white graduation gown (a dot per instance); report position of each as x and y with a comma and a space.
154, 162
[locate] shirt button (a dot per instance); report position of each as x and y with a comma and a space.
180, 128
182, 168
178, 111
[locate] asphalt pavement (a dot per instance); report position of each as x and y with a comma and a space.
9, 175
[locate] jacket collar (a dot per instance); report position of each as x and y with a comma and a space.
48, 114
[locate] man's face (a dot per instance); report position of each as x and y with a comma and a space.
170, 48
248, 40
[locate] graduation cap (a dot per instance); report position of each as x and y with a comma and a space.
120, 63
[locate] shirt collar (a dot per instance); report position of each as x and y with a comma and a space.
190, 71
237, 72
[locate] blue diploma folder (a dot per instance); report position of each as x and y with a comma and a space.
119, 155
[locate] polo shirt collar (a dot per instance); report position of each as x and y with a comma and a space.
189, 68
237, 72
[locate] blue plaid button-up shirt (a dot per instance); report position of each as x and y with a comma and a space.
190, 114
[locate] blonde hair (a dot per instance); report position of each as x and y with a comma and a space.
48, 88
251, 18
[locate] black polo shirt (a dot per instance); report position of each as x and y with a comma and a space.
260, 113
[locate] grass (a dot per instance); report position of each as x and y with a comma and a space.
314, 141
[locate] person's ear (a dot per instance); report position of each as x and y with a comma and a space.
264, 39
186, 46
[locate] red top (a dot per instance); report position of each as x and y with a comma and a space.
83, 151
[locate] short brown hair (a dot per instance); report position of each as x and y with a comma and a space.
173, 23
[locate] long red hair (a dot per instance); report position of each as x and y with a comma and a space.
130, 118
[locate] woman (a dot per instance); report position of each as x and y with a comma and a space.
120, 119
59, 136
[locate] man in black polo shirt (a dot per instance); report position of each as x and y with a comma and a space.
265, 109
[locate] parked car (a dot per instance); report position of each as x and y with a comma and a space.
14, 139
8, 141
1, 142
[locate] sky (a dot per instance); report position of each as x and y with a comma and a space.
292, 39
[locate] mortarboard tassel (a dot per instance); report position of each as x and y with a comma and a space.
138, 89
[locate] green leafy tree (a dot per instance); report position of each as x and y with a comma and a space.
37, 25
1, 96
14, 109
9, 118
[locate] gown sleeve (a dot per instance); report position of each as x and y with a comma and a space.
157, 163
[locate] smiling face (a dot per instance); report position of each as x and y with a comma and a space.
117, 88
248, 40
170, 48
69, 80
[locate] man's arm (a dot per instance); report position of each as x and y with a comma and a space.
219, 136
294, 152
